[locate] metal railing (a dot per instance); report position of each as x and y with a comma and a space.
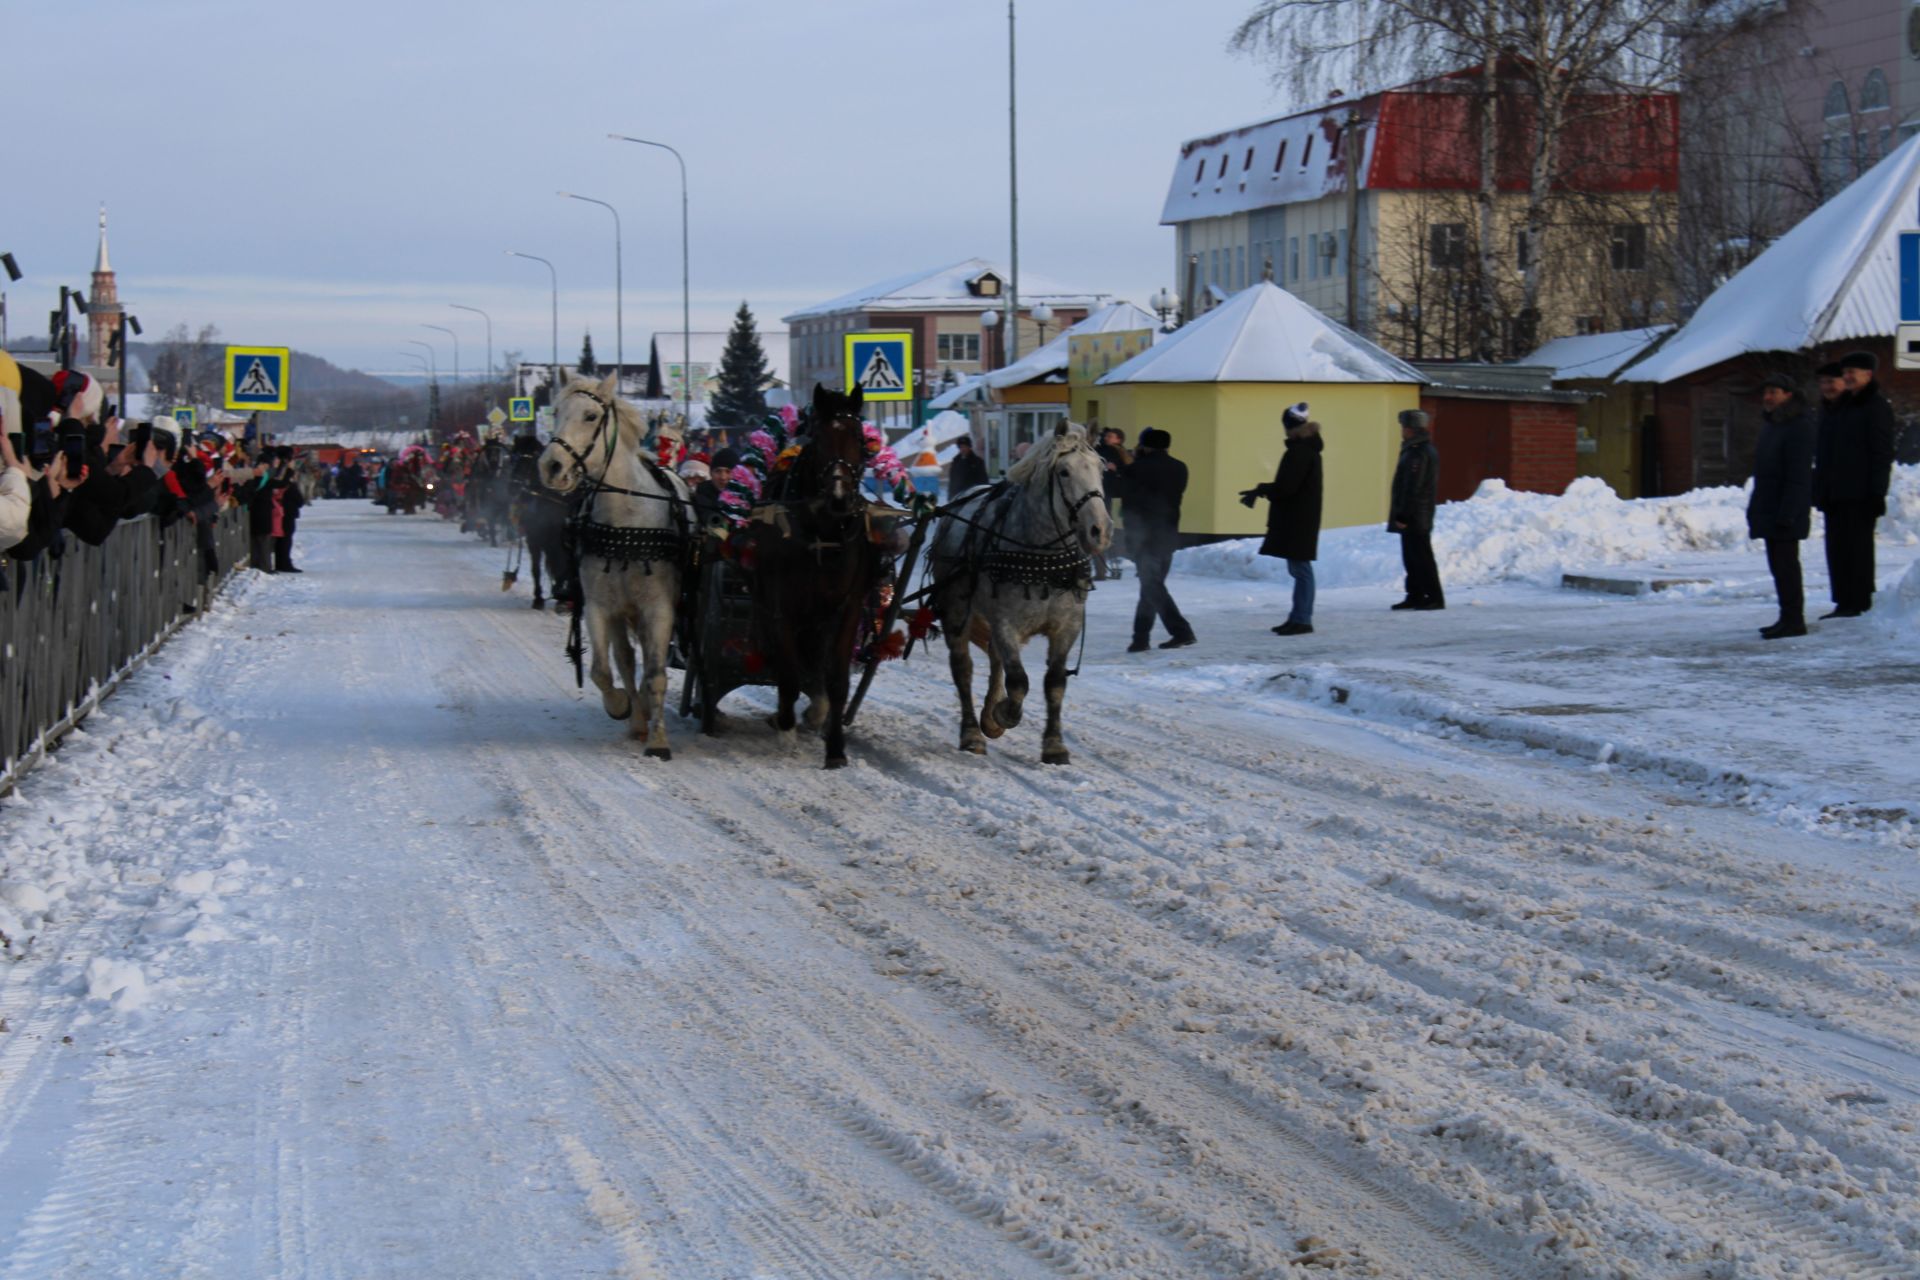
72, 628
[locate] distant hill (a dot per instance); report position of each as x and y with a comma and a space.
310, 373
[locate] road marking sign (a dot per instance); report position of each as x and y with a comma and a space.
185, 417
520, 408
257, 377
881, 364
1910, 276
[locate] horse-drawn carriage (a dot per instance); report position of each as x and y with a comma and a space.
805, 579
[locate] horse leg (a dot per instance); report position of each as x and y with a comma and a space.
1006, 651
533, 560
1053, 748
617, 703
954, 622
996, 680
656, 634
839, 663
620, 634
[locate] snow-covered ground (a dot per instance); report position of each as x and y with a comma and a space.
351, 940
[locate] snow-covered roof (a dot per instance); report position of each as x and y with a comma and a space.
937, 432
707, 348
947, 289
1835, 276
969, 385
1116, 317
1274, 162
1596, 355
1264, 334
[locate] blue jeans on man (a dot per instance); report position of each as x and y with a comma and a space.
1302, 571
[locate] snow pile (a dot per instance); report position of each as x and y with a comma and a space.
1502, 534
99, 834
1897, 610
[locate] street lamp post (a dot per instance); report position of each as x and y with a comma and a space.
456, 352
457, 306
1042, 316
1013, 199
619, 310
1165, 303
989, 321
686, 306
433, 381
553, 389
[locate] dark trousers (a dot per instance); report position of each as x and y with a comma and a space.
263, 552
1423, 574
1850, 553
1152, 565
1783, 561
283, 551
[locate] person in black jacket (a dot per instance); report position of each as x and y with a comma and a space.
1293, 514
1853, 465
1112, 448
1416, 488
1152, 486
968, 469
1780, 510
288, 497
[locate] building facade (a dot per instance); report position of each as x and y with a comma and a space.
1365, 210
942, 309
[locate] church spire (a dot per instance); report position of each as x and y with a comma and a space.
100, 263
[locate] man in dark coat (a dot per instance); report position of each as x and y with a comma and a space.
1853, 465
1293, 514
1112, 448
1416, 489
706, 494
1780, 510
968, 470
1152, 486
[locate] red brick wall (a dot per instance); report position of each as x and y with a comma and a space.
1529, 445
1542, 440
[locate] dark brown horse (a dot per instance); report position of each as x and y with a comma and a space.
814, 567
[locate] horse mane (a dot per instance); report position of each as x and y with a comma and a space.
628, 415
1045, 452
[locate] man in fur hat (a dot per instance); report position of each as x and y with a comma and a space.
1853, 466
1152, 486
1779, 511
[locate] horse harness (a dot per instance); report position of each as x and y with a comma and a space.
1058, 565
625, 545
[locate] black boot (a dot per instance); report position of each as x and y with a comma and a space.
1785, 629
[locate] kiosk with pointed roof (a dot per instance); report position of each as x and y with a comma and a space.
1220, 384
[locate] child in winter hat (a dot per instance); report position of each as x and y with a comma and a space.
1295, 416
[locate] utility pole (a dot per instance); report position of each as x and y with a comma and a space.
1351, 130
1013, 198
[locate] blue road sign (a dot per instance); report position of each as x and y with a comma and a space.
881, 364
257, 377
1910, 277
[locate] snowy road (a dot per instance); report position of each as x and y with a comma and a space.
363, 945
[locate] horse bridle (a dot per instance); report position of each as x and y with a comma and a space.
1073, 508
607, 416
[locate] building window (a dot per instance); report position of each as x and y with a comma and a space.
1837, 108
1200, 170
1629, 248
1281, 157
1223, 167
1313, 256
957, 348
1240, 266
1522, 250
1342, 259
1583, 325
1248, 162
1873, 91
1306, 152
1213, 266
1333, 147
1293, 257
1447, 246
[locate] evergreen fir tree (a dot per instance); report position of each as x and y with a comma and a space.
740, 399
587, 365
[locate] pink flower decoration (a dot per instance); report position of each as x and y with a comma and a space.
747, 478
875, 438
789, 415
764, 443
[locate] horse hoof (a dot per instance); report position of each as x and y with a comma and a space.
836, 762
974, 746
612, 701
1008, 715
1056, 755
540, 605
659, 753
990, 726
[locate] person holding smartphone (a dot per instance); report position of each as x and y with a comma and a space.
16, 491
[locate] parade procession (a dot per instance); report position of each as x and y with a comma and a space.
1223, 641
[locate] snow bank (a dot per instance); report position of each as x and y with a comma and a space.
1502, 534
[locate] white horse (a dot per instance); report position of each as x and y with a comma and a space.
1012, 561
631, 547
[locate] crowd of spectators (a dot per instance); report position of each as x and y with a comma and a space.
71, 470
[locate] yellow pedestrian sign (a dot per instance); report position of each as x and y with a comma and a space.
881, 364
520, 408
257, 377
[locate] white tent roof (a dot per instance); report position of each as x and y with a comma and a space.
1596, 355
1264, 334
959, 391
940, 430
947, 289
1835, 276
1117, 317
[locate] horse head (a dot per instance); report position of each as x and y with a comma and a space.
830, 467
585, 418
1065, 473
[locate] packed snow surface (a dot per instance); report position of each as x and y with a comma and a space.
349, 939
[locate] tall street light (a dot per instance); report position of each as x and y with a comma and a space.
619, 311
460, 306
686, 306
433, 376
1013, 200
440, 328
553, 389
426, 369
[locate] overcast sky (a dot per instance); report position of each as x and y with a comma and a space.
331, 176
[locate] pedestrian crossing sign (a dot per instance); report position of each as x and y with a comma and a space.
520, 408
880, 364
257, 377
185, 417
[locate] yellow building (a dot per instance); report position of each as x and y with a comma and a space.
1219, 386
